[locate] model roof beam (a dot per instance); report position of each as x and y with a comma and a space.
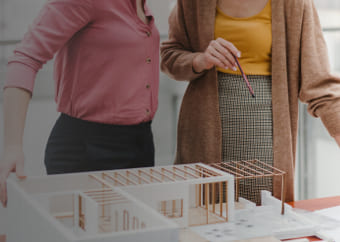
163, 175
149, 175
186, 172
247, 167
174, 174
137, 176
116, 178
279, 172
235, 171
258, 167
199, 171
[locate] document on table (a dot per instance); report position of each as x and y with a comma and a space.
334, 233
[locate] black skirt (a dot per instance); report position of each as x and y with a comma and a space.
76, 145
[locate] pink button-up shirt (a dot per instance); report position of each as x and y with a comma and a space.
107, 63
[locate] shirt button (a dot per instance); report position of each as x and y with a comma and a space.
148, 33
148, 60
147, 86
147, 111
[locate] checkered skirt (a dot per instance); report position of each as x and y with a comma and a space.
247, 126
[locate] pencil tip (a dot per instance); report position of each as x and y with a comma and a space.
253, 96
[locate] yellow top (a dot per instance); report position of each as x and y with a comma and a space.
252, 36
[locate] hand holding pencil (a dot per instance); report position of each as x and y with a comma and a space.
223, 54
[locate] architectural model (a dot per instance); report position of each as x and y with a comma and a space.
124, 205
149, 204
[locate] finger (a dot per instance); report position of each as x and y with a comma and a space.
215, 61
4, 173
226, 54
3, 192
226, 64
229, 46
19, 170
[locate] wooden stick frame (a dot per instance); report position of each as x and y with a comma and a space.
251, 171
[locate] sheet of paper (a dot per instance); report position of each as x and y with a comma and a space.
334, 233
333, 212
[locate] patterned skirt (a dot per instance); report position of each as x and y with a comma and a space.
247, 126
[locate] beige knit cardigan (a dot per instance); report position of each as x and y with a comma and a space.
300, 70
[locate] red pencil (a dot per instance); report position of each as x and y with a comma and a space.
244, 77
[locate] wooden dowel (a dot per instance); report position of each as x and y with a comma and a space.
106, 195
258, 167
98, 191
139, 177
213, 197
238, 169
272, 167
63, 215
237, 190
164, 207
200, 195
283, 193
113, 202
115, 178
196, 170
173, 208
246, 167
207, 202
173, 173
196, 195
221, 198
226, 201
151, 176
163, 175
110, 200
227, 170
127, 178
186, 172
100, 180
211, 172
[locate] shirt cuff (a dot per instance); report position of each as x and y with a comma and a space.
21, 76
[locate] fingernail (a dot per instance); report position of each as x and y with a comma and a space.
234, 68
239, 54
226, 67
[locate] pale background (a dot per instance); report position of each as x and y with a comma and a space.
318, 156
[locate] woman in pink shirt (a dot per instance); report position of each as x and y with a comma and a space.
106, 86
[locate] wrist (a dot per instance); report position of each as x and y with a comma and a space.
197, 63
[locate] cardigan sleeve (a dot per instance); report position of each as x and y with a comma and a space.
318, 87
55, 24
177, 54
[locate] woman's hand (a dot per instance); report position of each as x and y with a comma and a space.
12, 161
220, 53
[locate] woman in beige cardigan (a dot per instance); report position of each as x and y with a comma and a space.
298, 69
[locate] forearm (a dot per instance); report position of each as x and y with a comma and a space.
178, 63
16, 102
